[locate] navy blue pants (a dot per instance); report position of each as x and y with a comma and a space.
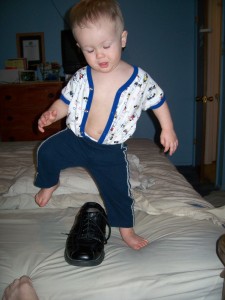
107, 165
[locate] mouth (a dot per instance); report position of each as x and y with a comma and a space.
103, 65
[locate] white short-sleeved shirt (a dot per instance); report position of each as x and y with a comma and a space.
139, 93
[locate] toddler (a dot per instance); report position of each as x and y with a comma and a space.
103, 102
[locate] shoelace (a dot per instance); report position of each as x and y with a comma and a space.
91, 230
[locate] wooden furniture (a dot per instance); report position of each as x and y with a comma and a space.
20, 107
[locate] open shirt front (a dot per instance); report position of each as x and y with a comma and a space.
140, 92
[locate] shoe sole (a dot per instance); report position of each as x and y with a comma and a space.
84, 263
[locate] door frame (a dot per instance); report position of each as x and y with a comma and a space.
200, 85
220, 174
200, 90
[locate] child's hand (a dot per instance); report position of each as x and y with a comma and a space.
169, 140
46, 119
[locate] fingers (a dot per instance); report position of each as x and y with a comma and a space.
40, 126
46, 119
169, 141
42, 122
172, 147
20, 288
169, 146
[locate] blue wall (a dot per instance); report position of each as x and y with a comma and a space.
161, 40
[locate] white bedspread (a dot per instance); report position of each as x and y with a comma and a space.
157, 187
180, 263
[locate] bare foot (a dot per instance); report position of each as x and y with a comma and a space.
44, 195
133, 240
20, 289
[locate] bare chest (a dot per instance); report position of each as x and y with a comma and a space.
104, 95
103, 99
101, 107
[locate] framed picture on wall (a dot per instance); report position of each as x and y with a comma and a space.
31, 47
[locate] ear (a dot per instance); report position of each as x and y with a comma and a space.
124, 38
78, 45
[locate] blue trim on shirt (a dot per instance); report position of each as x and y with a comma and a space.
64, 99
114, 107
115, 104
89, 101
158, 104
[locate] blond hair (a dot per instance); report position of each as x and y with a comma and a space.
87, 11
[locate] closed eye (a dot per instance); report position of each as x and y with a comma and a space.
88, 50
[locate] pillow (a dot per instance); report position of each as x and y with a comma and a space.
76, 180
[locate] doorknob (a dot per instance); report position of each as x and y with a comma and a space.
204, 99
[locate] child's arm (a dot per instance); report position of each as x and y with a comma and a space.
56, 111
168, 136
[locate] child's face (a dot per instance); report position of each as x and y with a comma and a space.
101, 43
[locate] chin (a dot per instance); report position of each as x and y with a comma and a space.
106, 70
103, 70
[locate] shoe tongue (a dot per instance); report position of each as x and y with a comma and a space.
92, 210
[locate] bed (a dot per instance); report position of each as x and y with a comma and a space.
179, 263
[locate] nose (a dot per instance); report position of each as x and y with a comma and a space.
99, 53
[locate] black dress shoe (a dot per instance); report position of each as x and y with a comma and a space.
87, 237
